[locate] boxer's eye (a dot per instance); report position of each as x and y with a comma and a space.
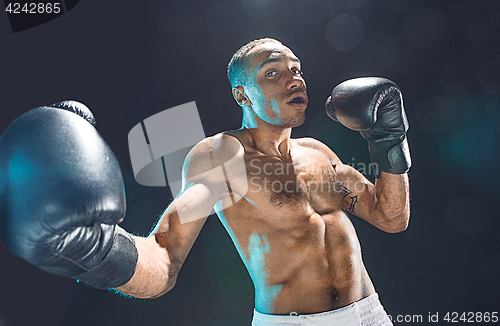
271, 73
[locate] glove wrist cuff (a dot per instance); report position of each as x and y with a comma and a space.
117, 267
390, 158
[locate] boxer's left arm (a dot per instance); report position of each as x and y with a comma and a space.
374, 107
385, 204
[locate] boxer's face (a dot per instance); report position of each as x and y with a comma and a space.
276, 89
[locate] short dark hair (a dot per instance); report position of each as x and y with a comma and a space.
236, 67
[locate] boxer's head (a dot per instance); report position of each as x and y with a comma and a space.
237, 69
266, 81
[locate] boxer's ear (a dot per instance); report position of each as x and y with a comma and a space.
239, 96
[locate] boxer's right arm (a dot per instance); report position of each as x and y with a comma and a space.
62, 194
162, 253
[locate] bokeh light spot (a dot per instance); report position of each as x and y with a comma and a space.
344, 32
422, 231
424, 27
379, 51
488, 76
437, 114
259, 8
464, 216
404, 6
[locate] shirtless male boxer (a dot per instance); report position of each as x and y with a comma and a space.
286, 215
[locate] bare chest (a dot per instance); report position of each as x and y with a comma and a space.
309, 182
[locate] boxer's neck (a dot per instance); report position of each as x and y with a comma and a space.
271, 140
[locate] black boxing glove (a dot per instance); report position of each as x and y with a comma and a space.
61, 196
374, 107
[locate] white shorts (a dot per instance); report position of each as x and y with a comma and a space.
365, 312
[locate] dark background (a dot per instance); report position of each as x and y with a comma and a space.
128, 60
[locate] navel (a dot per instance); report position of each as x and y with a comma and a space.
334, 294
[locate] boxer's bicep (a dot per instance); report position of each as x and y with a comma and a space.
383, 205
185, 216
357, 192
162, 254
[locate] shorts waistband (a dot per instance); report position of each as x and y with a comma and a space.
348, 315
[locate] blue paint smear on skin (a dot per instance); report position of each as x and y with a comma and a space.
275, 107
250, 201
258, 247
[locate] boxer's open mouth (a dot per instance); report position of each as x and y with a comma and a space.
298, 99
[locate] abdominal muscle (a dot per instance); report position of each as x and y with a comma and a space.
299, 247
311, 266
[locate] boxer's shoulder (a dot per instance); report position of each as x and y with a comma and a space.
211, 152
309, 142
314, 145
242, 136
